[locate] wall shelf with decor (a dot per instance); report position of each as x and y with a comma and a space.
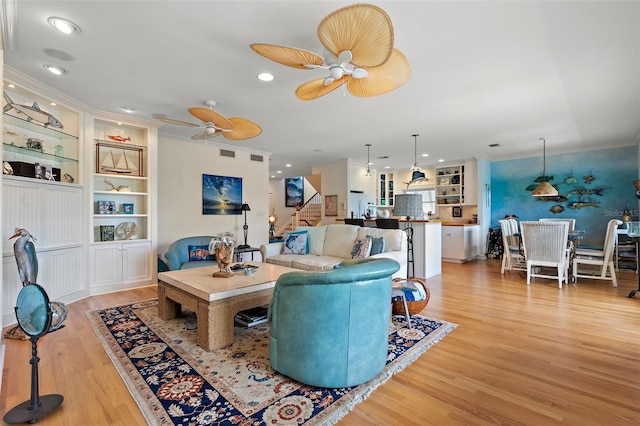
44, 150
450, 189
121, 251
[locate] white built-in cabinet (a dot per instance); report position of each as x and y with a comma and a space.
456, 185
121, 213
56, 186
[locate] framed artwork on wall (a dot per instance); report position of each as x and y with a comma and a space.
294, 191
331, 205
221, 194
456, 211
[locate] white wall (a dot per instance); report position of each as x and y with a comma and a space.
181, 164
334, 182
277, 200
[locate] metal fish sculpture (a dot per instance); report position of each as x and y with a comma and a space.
556, 199
570, 180
581, 204
543, 179
580, 190
588, 178
531, 187
556, 209
32, 113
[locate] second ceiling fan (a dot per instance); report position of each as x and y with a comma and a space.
214, 124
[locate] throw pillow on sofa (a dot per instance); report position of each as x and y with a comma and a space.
296, 242
361, 249
198, 253
377, 245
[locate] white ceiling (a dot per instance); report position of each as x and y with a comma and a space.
483, 72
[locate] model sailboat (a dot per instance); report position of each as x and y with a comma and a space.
122, 164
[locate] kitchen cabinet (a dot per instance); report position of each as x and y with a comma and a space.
460, 243
385, 189
359, 182
456, 184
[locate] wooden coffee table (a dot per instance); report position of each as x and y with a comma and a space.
215, 300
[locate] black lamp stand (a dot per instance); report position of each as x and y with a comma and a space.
245, 227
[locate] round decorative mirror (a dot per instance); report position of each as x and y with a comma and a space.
33, 310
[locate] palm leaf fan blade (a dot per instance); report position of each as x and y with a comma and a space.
242, 129
210, 116
385, 78
178, 122
289, 56
364, 29
316, 88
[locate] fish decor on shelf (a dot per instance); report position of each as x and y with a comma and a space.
119, 138
31, 113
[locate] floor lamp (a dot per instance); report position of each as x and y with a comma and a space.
245, 208
409, 205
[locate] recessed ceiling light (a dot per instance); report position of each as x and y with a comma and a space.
273, 177
279, 171
54, 69
265, 76
425, 155
128, 109
287, 165
63, 25
13, 86
52, 103
441, 160
387, 167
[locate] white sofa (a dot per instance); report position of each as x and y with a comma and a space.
331, 244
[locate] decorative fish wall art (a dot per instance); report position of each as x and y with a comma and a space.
586, 196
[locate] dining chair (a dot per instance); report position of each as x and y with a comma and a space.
358, 222
572, 222
512, 258
598, 264
546, 245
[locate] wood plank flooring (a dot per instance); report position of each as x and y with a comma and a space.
531, 355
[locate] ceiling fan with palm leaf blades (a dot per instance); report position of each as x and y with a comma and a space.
214, 124
358, 42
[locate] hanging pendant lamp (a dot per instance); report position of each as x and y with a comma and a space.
544, 189
368, 173
417, 174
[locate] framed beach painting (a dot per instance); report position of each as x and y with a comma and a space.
221, 194
294, 191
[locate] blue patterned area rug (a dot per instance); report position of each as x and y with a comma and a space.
175, 382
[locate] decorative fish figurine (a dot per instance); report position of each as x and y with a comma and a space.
531, 187
570, 180
588, 178
543, 179
581, 204
556, 199
556, 209
580, 190
32, 113
119, 138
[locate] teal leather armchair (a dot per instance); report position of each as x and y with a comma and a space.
331, 328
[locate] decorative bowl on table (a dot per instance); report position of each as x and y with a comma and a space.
633, 228
250, 271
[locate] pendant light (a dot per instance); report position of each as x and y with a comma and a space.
368, 173
544, 189
417, 174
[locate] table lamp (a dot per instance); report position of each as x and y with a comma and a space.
245, 208
409, 205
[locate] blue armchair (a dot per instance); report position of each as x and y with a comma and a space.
177, 254
331, 328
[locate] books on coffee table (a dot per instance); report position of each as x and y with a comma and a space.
251, 317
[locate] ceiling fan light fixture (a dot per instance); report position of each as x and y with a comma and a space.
544, 189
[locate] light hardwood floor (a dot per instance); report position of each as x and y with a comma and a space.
532, 355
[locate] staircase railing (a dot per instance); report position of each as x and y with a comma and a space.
309, 214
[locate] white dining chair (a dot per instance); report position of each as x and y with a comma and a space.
512, 258
598, 264
546, 245
571, 222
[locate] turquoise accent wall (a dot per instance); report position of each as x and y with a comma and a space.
613, 170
